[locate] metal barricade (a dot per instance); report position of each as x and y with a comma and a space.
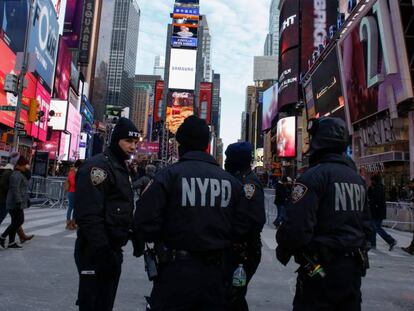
400, 216
271, 210
48, 192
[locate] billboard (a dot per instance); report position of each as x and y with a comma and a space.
182, 69
158, 99
270, 106
185, 34
286, 137
73, 126
58, 121
288, 78
44, 39
39, 129
148, 148
315, 26
379, 80
204, 108
86, 31
63, 70
73, 20
60, 8
13, 22
183, 10
180, 106
289, 25
325, 89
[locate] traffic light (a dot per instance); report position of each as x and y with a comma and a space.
7, 137
33, 108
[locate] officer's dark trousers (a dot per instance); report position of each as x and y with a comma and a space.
96, 291
340, 290
189, 285
238, 295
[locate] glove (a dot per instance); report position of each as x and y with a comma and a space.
107, 261
138, 245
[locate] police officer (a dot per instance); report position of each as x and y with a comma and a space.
103, 211
192, 210
248, 251
327, 225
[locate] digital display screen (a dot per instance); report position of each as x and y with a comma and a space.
286, 137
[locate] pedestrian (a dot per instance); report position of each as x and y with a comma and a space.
103, 206
5, 172
378, 207
282, 198
70, 186
247, 252
143, 181
410, 249
192, 210
16, 202
327, 225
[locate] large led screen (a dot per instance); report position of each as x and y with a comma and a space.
182, 69
288, 78
58, 121
326, 89
289, 25
269, 106
180, 106
286, 137
63, 71
317, 17
158, 100
13, 21
204, 109
381, 80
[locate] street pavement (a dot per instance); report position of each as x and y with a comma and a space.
43, 277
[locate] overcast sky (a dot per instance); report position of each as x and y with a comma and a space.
238, 29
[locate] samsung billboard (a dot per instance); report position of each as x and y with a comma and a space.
182, 69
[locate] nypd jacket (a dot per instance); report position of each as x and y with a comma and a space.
193, 205
103, 202
253, 191
329, 209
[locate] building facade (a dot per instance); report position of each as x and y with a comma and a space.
271, 46
159, 66
216, 104
206, 50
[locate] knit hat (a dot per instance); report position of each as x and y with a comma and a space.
14, 157
22, 161
193, 134
123, 129
238, 157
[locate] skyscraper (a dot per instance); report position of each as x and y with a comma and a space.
116, 55
206, 49
271, 46
159, 66
216, 104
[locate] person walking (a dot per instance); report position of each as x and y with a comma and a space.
70, 185
103, 205
410, 248
282, 198
327, 226
192, 210
141, 183
378, 207
249, 251
16, 202
5, 172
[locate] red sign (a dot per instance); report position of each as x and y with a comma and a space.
204, 106
159, 94
144, 147
63, 66
39, 129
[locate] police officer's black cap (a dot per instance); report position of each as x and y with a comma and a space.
240, 153
193, 134
328, 133
125, 128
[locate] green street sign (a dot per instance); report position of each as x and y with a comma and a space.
22, 133
8, 108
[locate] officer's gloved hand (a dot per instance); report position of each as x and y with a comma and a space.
138, 246
107, 261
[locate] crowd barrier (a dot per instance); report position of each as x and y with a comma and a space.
48, 192
400, 216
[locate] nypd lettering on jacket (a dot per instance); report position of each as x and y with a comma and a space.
207, 192
349, 197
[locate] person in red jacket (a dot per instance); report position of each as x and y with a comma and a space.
70, 221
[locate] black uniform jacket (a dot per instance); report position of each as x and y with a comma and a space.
193, 205
103, 202
253, 191
329, 209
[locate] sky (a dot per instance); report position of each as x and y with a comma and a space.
238, 29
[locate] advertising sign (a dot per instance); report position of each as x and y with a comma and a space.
184, 35
73, 19
379, 80
83, 145
270, 106
158, 99
180, 106
182, 10
73, 126
326, 89
182, 69
317, 17
288, 78
58, 121
286, 137
63, 69
39, 129
148, 148
178, 42
86, 32
289, 25
13, 22
60, 8
204, 109
44, 39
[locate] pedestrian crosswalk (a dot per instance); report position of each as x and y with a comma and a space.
50, 222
